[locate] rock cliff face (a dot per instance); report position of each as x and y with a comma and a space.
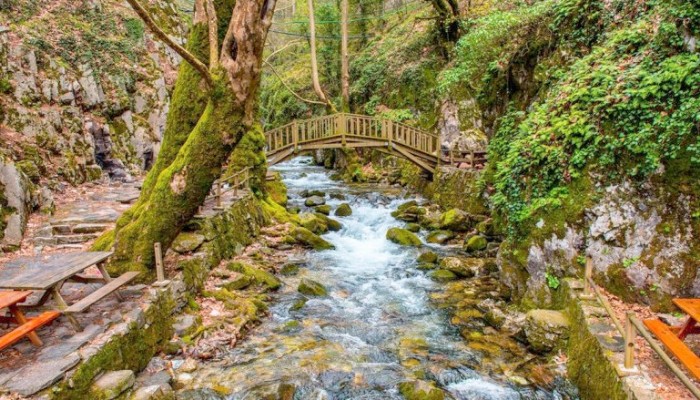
84, 91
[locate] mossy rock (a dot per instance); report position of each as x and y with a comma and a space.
30, 169
412, 227
314, 201
428, 257
546, 330
411, 214
476, 243
420, 390
298, 304
442, 275
440, 236
289, 269
311, 193
313, 223
462, 267
486, 228
332, 224
426, 266
308, 239
239, 283
276, 190
455, 220
403, 237
258, 275
343, 210
312, 288
187, 242
324, 209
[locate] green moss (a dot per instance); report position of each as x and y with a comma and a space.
403, 237
312, 288
259, 276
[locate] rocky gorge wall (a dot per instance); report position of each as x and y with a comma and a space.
84, 92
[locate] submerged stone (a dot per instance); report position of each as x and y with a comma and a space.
343, 210
420, 390
403, 237
312, 288
298, 304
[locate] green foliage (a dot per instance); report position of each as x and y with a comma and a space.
628, 262
5, 86
552, 281
134, 29
622, 111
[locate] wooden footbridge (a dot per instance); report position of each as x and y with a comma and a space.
344, 130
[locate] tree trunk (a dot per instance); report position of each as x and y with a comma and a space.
344, 62
196, 151
314, 59
448, 15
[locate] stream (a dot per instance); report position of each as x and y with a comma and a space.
375, 329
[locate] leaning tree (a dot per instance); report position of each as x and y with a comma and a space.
211, 111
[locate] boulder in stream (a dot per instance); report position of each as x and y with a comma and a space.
332, 224
443, 275
311, 288
308, 239
343, 210
314, 201
403, 237
429, 257
475, 243
455, 220
324, 209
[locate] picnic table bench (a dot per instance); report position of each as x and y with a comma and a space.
26, 326
49, 274
672, 336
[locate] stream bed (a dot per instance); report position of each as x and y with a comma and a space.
376, 328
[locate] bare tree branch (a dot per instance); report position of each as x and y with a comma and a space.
290, 89
213, 34
286, 46
155, 29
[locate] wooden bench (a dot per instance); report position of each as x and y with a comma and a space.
102, 292
670, 339
27, 326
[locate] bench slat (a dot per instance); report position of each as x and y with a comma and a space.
22, 330
675, 345
102, 292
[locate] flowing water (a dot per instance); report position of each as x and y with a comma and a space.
375, 329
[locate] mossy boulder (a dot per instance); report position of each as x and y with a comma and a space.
308, 239
313, 223
442, 275
403, 237
311, 193
428, 257
475, 243
312, 288
258, 275
486, 228
314, 201
324, 209
411, 214
343, 210
332, 224
187, 242
239, 283
440, 236
113, 383
546, 330
462, 267
412, 227
426, 266
276, 190
420, 390
289, 269
455, 220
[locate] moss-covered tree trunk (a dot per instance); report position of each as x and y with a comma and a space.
205, 124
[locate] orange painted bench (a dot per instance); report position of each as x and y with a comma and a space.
672, 336
27, 326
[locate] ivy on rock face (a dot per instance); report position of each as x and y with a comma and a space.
622, 111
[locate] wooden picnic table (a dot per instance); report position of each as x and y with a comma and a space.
692, 308
26, 326
49, 273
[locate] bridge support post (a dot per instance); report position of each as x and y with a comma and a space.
389, 130
295, 135
342, 127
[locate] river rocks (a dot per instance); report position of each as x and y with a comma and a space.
403, 237
420, 390
289, 269
324, 209
258, 275
187, 242
455, 220
313, 223
308, 239
298, 304
476, 243
439, 237
428, 257
331, 224
239, 283
113, 383
311, 288
314, 201
343, 210
462, 267
546, 329
442, 275
412, 227
312, 193
409, 212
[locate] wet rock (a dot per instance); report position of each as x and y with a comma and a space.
343, 210
413, 227
324, 209
313, 223
475, 243
455, 220
429, 257
332, 224
314, 201
312, 288
440, 236
426, 266
258, 275
308, 239
403, 237
289, 269
113, 383
546, 329
311, 193
410, 214
199, 394
442, 275
420, 390
187, 242
298, 304
462, 267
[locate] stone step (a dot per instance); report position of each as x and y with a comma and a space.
64, 239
